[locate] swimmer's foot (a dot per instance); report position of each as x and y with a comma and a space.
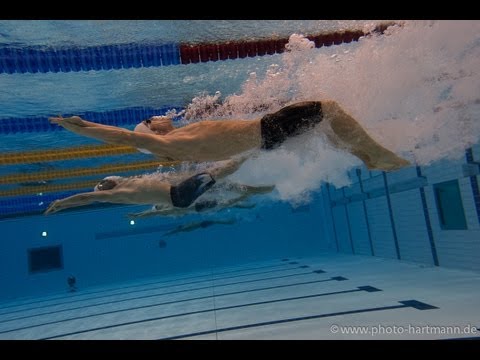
388, 161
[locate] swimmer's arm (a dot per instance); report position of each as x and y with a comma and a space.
78, 121
184, 228
250, 190
160, 212
146, 213
117, 197
234, 201
69, 202
87, 128
245, 191
114, 135
75, 123
199, 224
143, 214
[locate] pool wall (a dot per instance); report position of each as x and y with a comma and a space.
407, 222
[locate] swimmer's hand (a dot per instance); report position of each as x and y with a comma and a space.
167, 211
55, 206
139, 215
72, 120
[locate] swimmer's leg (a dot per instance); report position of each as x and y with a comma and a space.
228, 168
358, 142
184, 194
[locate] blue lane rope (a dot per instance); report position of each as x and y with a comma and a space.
120, 117
29, 204
120, 56
42, 59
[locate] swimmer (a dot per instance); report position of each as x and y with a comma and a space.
219, 140
199, 225
244, 191
149, 190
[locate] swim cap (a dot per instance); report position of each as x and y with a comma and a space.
143, 128
107, 183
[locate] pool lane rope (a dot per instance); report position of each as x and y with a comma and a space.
43, 59
79, 152
41, 189
63, 174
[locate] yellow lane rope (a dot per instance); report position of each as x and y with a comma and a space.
62, 174
78, 152
33, 190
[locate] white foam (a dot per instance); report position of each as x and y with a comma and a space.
415, 89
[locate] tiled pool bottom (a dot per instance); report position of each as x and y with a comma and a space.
326, 297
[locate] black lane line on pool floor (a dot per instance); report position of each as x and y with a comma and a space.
141, 290
153, 295
404, 304
122, 288
338, 278
360, 288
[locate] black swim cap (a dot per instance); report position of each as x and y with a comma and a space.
106, 184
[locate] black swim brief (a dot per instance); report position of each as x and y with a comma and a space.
185, 193
289, 121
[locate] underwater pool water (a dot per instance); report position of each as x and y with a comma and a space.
334, 245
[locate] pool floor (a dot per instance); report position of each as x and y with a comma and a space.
333, 296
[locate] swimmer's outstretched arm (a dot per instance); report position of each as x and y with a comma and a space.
249, 190
202, 141
180, 196
169, 211
76, 200
143, 214
246, 191
199, 224
78, 121
114, 135
111, 196
184, 228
